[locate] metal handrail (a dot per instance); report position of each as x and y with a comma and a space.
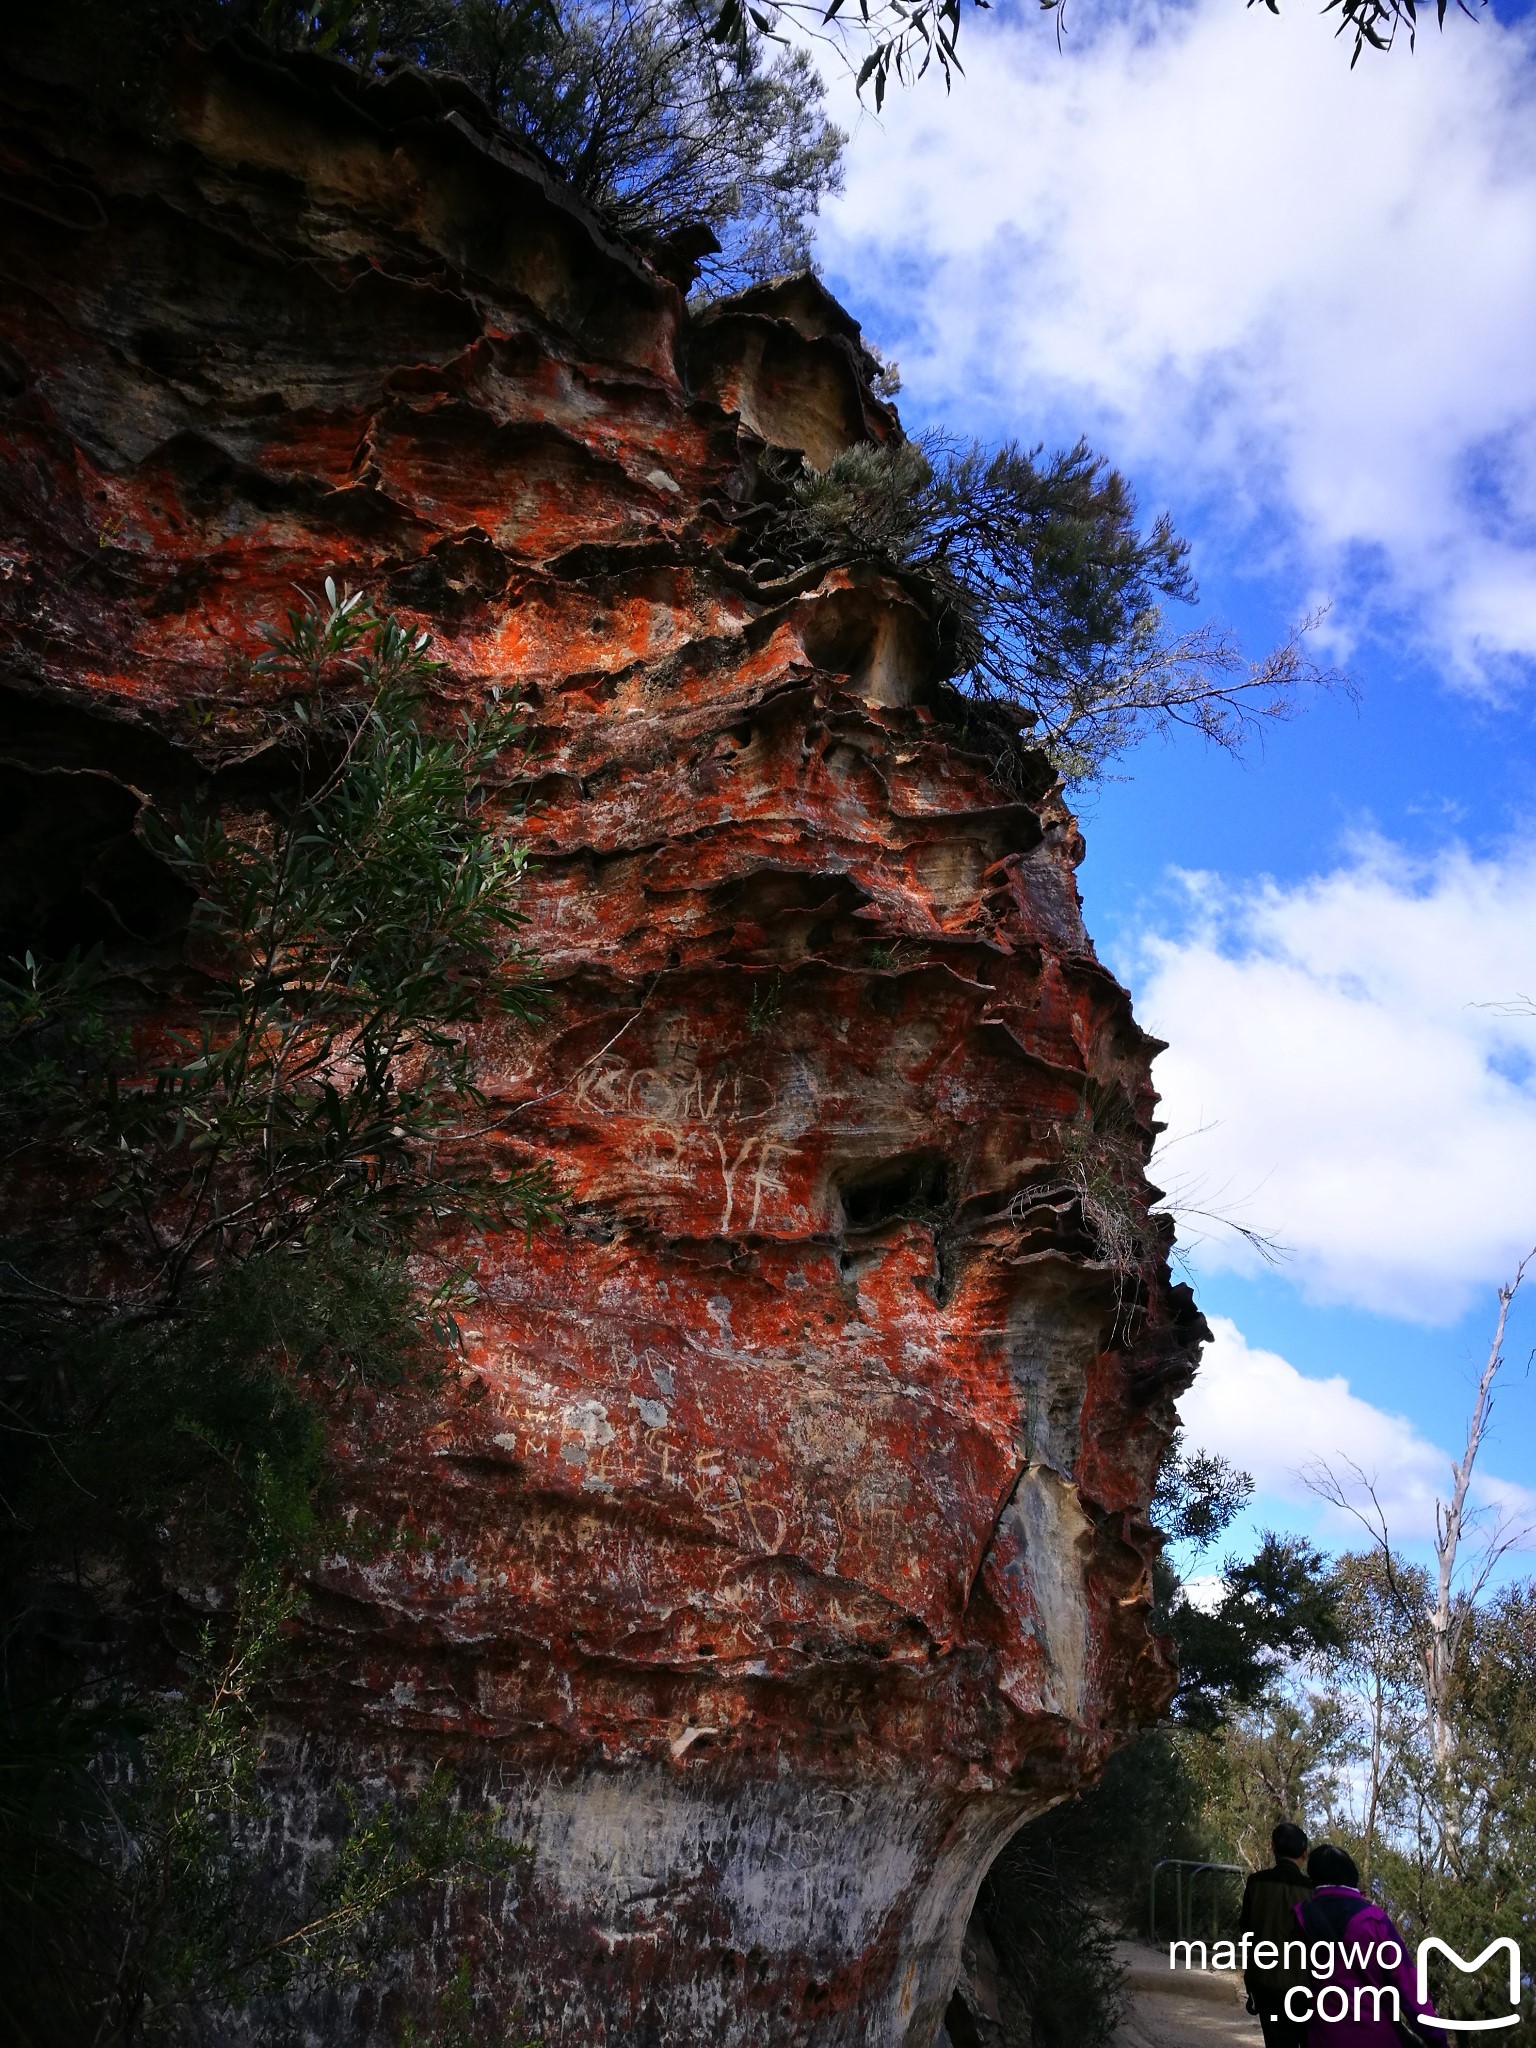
1178, 1865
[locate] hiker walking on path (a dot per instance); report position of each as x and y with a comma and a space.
1270, 1899
1351, 2001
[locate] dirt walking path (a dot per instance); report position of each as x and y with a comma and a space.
1180, 2008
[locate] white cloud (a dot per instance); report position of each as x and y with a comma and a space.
1251, 272
1276, 1423
1332, 1080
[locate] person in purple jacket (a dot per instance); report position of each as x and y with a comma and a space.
1357, 1962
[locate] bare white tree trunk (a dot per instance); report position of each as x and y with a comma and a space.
1447, 1618
1373, 1795
1441, 1622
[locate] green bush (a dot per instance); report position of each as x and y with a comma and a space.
205, 1256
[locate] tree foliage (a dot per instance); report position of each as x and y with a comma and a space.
898, 41
1285, 1755
1046, 594
1268, 1611
1274, 1609
885, 42
1198, 1495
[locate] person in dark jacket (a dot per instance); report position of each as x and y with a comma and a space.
1267, 1923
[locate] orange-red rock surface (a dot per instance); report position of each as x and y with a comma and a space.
785, 1544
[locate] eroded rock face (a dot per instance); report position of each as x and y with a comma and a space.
785, 1546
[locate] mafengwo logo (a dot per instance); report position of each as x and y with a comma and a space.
1371, 1992
1433, 1944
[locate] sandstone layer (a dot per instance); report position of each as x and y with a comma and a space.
785, 1545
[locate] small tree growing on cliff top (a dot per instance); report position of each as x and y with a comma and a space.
1046, 594
656, 123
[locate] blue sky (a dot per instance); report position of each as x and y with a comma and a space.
1297, 305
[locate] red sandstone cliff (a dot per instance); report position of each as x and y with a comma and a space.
794, 1552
